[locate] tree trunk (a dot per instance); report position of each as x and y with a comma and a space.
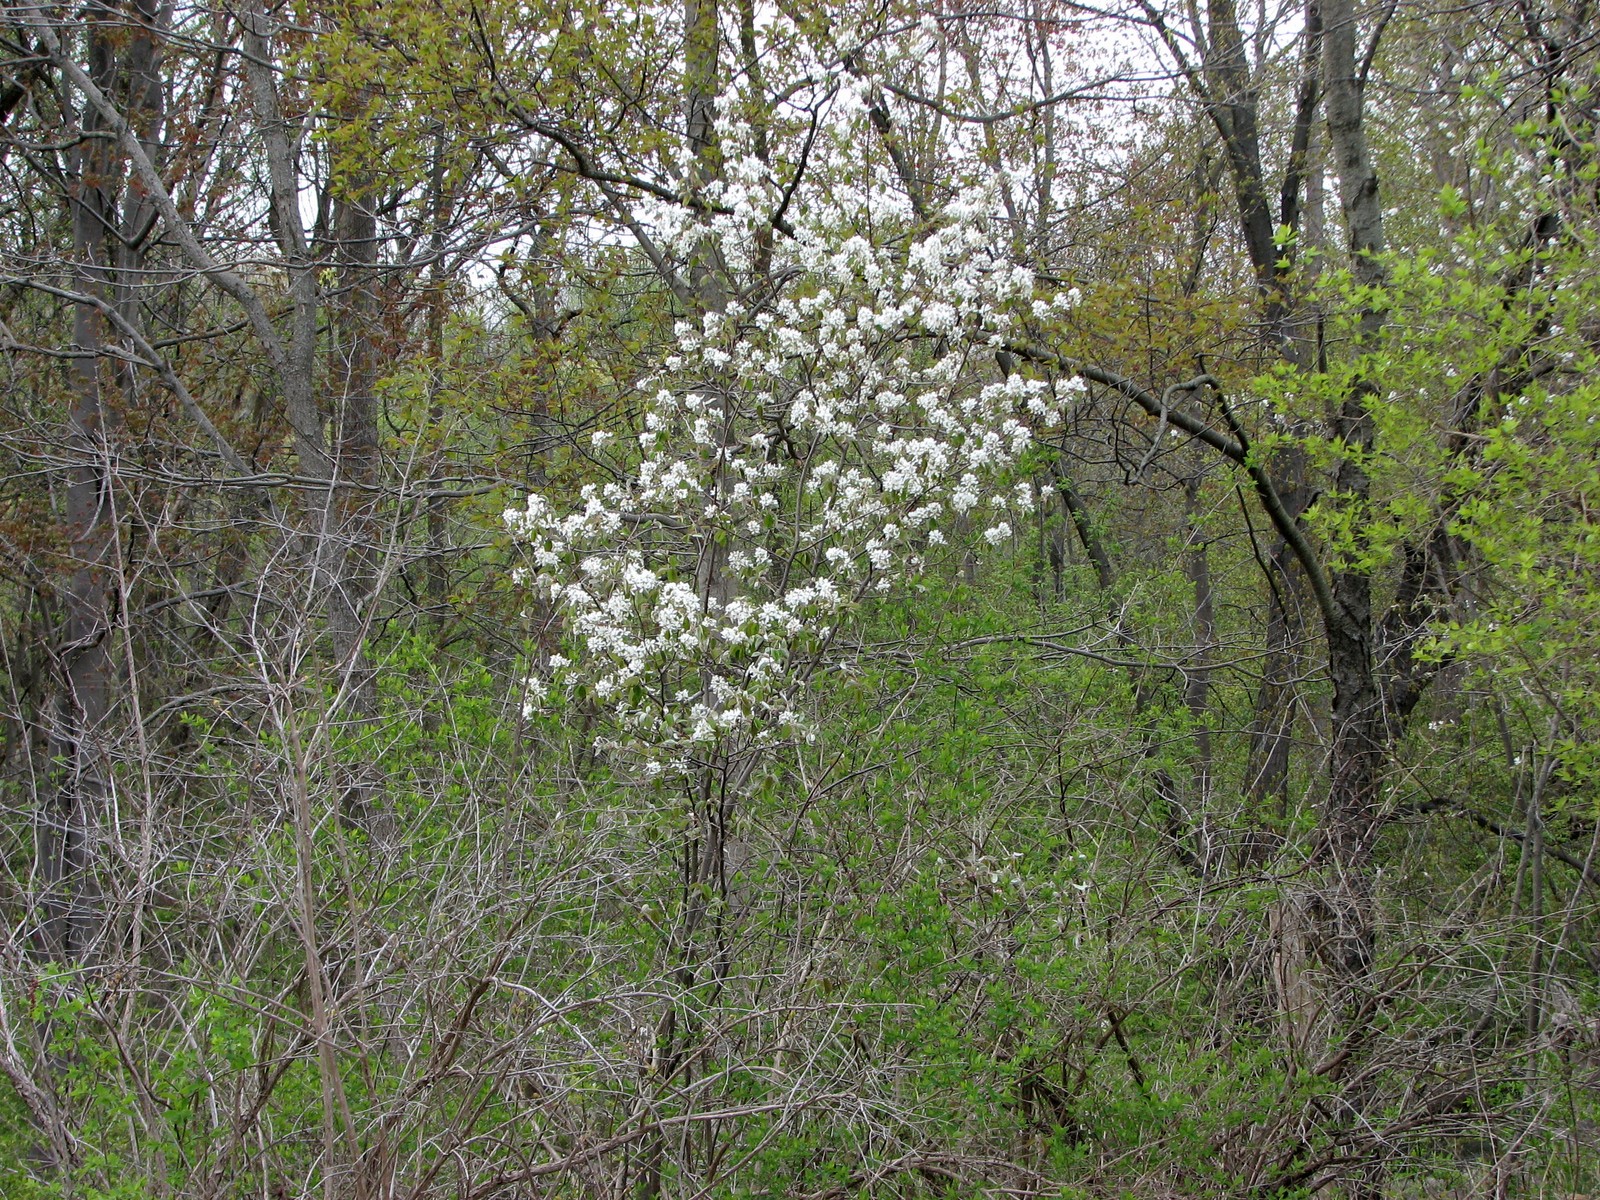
347, 553
106, 269
71, 812
1197, 682
1361, 737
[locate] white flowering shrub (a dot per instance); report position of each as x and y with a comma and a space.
793, 460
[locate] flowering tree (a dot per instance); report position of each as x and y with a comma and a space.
796, 457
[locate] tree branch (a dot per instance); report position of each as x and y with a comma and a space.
1237, 452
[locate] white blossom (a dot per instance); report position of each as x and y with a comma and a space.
789, 438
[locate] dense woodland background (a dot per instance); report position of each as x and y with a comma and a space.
1051, 654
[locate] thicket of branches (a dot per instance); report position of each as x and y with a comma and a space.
726, 600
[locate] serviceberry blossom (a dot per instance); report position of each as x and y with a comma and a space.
791, 461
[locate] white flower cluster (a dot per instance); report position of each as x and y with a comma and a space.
791, 460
